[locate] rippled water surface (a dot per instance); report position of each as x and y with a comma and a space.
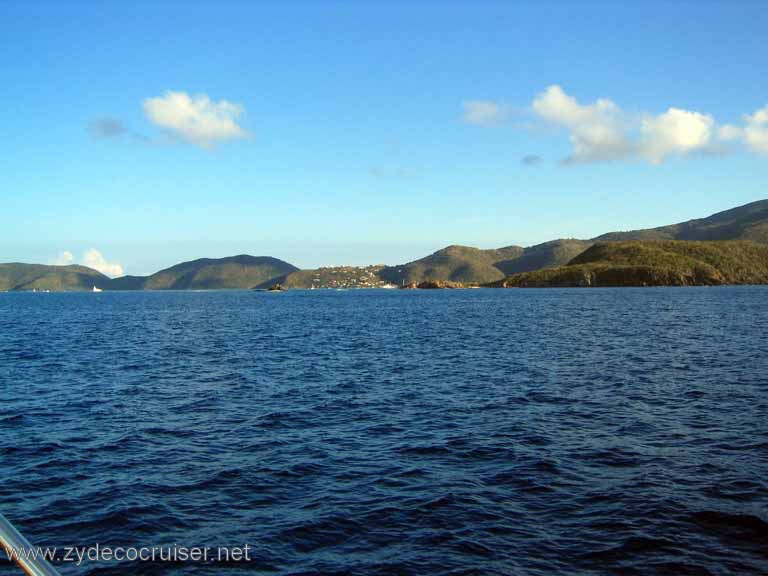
599, 431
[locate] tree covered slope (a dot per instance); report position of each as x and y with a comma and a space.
235, 272
18, 276
655, 263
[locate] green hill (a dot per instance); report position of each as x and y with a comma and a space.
473, 265
459, 264
210, 274
128, 283
546, 255
17, 276
468, 265
748, 222
462, 264
655, 263
332, 277
206, 273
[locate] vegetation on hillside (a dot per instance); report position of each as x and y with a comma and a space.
236, 272
455, 264
655, 263
333, 277
748, 222
546, 255
17, 276
550, 263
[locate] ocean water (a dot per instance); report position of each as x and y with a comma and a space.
595, 431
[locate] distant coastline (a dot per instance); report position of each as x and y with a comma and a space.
729, 247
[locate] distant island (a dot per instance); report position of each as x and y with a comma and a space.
729, 247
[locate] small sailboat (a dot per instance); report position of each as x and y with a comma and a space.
95, 289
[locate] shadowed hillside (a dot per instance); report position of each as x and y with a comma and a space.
18, 276
655, 263
455, 264
210, 274
469, 265
546, 255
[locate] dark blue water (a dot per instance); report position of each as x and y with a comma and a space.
598, 431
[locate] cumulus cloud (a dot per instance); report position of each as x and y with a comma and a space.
64, 259
675, 132
483, 113
106, 128
195, 119
91, 258
601, 131
597, 131
95, 259
754, 133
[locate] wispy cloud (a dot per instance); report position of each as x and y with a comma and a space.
113, 129
106, 128
398, 172
531, 160
484, 113
92, 258
196, 119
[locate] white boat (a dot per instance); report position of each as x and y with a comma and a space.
97, 289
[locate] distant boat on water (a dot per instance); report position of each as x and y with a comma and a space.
97, 289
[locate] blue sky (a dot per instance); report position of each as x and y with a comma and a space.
369, 132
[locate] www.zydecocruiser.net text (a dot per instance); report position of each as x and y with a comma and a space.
99, 553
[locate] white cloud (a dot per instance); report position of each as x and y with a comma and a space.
756, 130
64, 259
675, 132
597, 131
602, 131
483, 113
94, 259
195, 119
